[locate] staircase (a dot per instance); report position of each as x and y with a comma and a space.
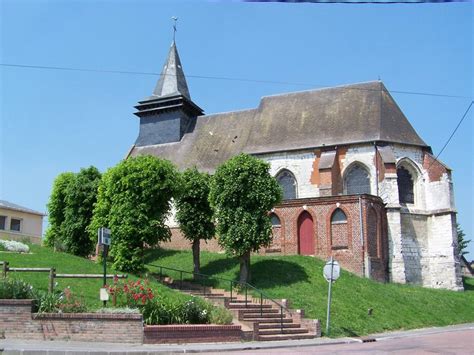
261, 319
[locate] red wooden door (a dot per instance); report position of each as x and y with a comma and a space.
305, 234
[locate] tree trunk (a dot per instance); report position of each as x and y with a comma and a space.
245, 267
196, 261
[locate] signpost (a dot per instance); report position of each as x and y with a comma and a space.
331, 273
105, 240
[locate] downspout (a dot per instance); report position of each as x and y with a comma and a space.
361, 223
376, 170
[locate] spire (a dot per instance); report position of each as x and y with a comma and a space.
172, 80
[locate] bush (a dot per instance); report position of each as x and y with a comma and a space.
11, 245
62, 302
163, 311
220, 315
15, 289
130, 293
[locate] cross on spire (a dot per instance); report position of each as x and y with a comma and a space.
175, 19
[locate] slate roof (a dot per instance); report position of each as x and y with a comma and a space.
15, 207
172, 80
357, 113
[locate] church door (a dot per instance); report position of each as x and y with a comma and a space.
305, 234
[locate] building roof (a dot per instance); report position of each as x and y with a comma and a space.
356, 113
172, 80
14, 207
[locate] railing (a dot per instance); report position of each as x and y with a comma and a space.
52, 274
232, 283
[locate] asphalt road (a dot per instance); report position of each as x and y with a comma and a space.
452, 342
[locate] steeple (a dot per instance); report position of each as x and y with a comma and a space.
172, 80
168, 113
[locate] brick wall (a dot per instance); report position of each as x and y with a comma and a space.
199, 333
18, 322
342, 241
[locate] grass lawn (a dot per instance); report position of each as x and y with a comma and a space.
299, 279
69, 264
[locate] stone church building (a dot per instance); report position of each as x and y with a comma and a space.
359, 183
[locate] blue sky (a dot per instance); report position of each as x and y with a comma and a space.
54, 121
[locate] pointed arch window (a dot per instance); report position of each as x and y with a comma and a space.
287, 182
275, 220
357, 181
405, 185
338, 216
339, 230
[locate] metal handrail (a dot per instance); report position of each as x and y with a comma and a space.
232, 282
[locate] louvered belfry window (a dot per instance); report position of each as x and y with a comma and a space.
288, 183
405, 186
357, 181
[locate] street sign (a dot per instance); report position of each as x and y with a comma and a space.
331, 270
105, 237
331, 273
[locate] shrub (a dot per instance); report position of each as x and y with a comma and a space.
130, 293
15, 289
162, 311
60, 302
220, 315
11, 245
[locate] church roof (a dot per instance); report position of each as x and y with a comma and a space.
356, 113
172, 80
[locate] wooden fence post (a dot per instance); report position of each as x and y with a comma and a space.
5, 269
52, 271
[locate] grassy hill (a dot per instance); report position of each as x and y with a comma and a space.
68, 264
299, 279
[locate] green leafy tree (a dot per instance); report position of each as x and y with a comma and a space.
194, 213
242, 193
56, 207
81, 195
462, 242
134, 201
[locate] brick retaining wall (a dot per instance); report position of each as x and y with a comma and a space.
18, 322
198, 333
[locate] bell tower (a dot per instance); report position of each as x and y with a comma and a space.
169, 112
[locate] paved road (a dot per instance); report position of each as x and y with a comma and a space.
454, 342
457, 339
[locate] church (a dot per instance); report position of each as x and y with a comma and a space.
359, 183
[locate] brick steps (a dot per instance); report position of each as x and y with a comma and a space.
262, 315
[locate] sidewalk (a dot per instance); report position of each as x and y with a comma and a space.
17, 347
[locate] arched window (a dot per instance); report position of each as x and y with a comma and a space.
357, 180
287, 182
275, 220
339, 230
338, 216
405, 186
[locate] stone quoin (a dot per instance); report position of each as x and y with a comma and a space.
359, 183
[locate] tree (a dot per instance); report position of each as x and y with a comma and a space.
194, 213
134, 201
462, 243
81, 195
242, 193
56, 207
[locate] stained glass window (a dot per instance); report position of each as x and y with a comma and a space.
357, 181
288, 183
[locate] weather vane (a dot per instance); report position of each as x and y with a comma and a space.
174, 18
